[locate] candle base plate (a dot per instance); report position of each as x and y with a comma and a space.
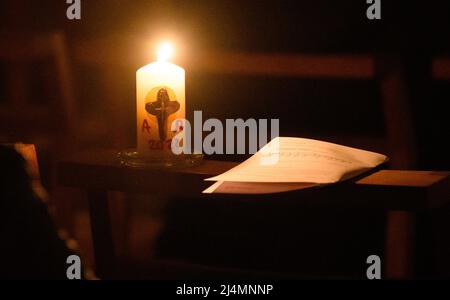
133, 158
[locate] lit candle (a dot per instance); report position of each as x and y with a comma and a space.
160, 91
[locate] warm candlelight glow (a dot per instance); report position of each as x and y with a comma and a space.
160, 91
165, 51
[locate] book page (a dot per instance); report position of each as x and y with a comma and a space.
230, 187
287, 159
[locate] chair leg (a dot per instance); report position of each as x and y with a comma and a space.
102, 237
400, 245
398, 118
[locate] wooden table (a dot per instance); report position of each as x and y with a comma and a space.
401, 193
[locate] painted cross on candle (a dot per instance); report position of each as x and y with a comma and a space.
161, 109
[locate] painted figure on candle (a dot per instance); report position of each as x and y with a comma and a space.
162, 108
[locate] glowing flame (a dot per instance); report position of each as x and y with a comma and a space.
165, 51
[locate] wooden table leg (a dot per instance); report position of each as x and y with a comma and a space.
101, 234
400, 245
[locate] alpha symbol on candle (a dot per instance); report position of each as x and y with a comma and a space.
162, 108
145, 126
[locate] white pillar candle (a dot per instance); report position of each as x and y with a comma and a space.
160, 91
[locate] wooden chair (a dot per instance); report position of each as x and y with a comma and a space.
405, 195
391, 76
20, 115
46, 116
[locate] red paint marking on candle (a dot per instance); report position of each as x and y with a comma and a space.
160, 145
145, 126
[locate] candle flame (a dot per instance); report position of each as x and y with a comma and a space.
165, 51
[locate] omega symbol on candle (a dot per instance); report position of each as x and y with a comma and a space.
162, 107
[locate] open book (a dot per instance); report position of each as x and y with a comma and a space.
288, 163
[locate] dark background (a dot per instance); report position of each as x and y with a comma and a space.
115, 37
325, 108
